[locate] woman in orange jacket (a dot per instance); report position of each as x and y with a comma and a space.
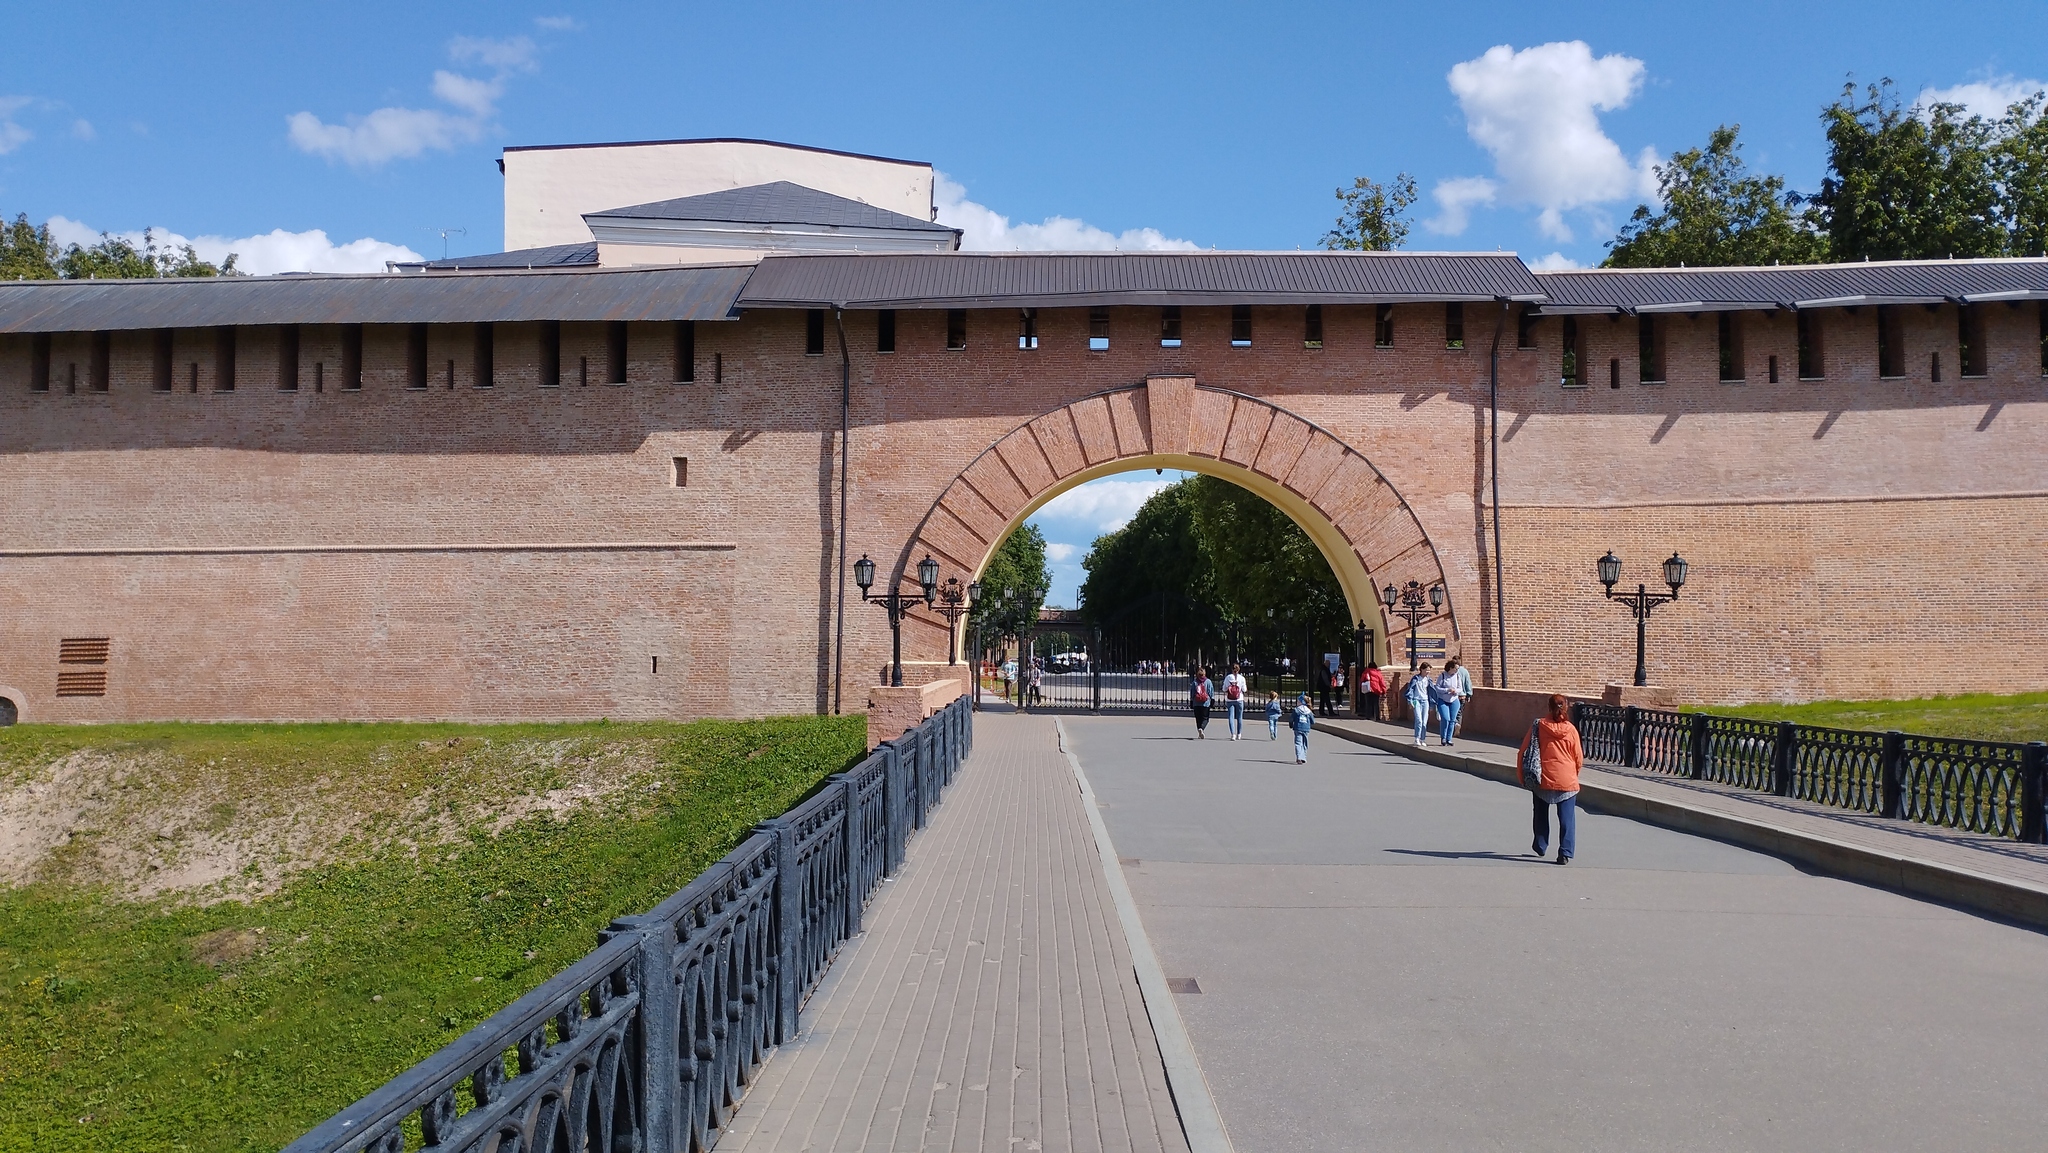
1557, 743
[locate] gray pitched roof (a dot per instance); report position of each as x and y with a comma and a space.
553, 256
965, 280
703, 292
780, 202
1795, 286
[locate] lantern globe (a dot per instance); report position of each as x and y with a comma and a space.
1674, 572
1389, 595
1436, 596
864, 573
1609, 567
973, 593
928, 573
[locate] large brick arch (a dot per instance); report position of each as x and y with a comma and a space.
1361, 524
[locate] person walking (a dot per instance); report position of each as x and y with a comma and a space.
1443, 693
1417, 696
1325, 676
1375, 686
1234, 689
1037, 682
1560, 757
1200, 695
1303, 720
1273, 717
1464, 693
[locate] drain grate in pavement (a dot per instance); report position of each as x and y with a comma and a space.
1183, 985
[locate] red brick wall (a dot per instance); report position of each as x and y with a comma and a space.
1849, 536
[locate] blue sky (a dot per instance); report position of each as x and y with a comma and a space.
338, 136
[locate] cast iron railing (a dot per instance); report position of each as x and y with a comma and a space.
1994, 787
650, 1040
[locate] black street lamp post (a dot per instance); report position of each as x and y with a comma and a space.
954, 603
897, 604
1642, 600
1411, 601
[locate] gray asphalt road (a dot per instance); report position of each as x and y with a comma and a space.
1382, 968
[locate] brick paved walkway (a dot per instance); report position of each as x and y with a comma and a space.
990, 1004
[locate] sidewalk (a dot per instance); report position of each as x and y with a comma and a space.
990, 1003
1984, 874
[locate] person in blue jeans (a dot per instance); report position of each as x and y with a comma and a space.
1417, 695
1443, 693
1234, 690
1302, 720
1273, 717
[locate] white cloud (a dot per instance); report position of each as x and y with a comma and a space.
986, 230
84, 130
261, 255
1456, 198
1536, 112
396, 133
1102, 505
1555, 262
558, 23
1987, 98
12, 134
1059, 553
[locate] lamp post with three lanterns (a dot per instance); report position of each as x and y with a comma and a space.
1411, 598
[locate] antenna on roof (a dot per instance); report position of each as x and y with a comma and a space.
444, 238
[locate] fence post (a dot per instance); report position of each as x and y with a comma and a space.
1697, 739
1786, 760
1893, 766
1632, 737
967, 728
855, 844
789, 898
2034, 792
660, 1009
892, 808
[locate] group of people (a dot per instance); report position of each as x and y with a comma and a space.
1236, 693
1549, 758
1443, 695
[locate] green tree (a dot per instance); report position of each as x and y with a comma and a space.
1266, 569
26, 251
116, 259
1152, 579
2019, 162
1375, 215
1716, 212
1013, 583
1908, 183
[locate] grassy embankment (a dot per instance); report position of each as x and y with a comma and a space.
212, 936
1979, 716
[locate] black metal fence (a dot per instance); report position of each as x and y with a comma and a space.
1994, 787
650, 1040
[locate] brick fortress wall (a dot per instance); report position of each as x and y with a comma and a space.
520, 551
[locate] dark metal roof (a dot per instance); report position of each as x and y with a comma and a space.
1794, 286
965, 280
779, 202
553, 256
715, 140
691, 293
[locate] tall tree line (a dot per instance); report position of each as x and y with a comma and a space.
27, 252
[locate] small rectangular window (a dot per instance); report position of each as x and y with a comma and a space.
415, 356
1169, 326
1027, 328
1454, 324
162, 346
1813, 363
814, 332
102, 361
319, 376
615, 352
1568, 374
682, 471
192, 376
1650, 349
1312, 327
547, 354
1774, 368
956, 329
1891, 343
718, 368
1614, 372
1525, 327
70, 376
582, 372
685, 337
448, 378
885, 330
1098, 331
288, 358
1383, 326
486, 356
224, 359
39, 362
1240, 326
1733, 366
1970, 351
1934, 367
2042, 320
351, 358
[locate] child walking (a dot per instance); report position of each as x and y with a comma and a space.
1304, 720
1273, 717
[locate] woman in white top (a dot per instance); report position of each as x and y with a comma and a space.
1234, 691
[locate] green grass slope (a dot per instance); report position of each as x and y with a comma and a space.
1977, 716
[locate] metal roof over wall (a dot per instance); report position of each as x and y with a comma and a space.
778, 202
693, 293
979, 280
1794, 286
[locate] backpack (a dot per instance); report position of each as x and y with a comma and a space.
1304, 720
1201, 692
1230, 689
1532, 761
